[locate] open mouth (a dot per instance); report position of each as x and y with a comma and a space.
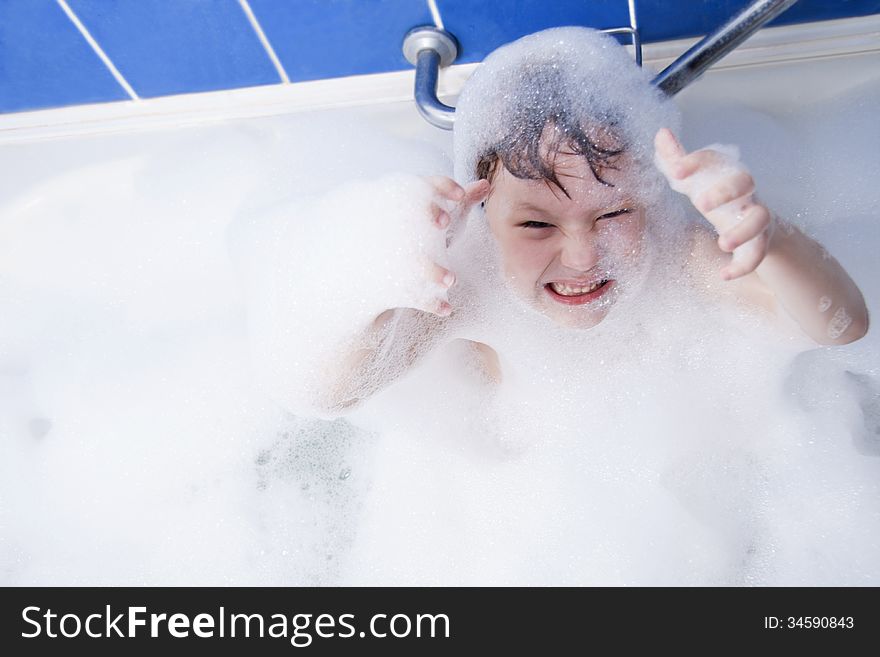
578, 294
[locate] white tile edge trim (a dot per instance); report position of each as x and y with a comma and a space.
264, 40
787, 43
99, 51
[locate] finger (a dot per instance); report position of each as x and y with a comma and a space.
439, 216
693, 162
446, 187
755, 221
439, 307
746, 259
668, 149
728, 189
474, 193
435, 306
435, 302
441, 276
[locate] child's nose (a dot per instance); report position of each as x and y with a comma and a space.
579, 253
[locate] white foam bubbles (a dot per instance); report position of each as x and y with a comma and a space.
678, 442
660, 447
321, 270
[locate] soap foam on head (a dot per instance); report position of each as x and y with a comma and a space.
574, 76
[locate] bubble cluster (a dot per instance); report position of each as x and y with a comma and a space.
571, 79
321, 270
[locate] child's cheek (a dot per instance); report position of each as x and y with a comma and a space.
527, 259
624, 237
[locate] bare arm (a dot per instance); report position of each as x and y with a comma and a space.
813, 288
387, 349
769, 255
399, 337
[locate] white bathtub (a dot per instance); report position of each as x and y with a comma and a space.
137, 449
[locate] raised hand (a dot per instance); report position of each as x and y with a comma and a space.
722, 190
449, 206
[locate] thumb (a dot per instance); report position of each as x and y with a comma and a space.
667, 149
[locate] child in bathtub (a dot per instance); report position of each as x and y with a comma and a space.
567, 179
550, 236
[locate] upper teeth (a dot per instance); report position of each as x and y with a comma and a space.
569, 291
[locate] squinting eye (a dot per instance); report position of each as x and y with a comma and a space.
535, 224
616, 213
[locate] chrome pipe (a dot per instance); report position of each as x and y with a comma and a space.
717, 44
430, 107
429, 48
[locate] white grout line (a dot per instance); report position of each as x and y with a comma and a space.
246, 8
435, 13
633, 19
98, 50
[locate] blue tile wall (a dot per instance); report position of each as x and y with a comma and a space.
481, 27
660, 20
44, 62
166, 47
317, 39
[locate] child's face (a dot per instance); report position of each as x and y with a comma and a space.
569, 258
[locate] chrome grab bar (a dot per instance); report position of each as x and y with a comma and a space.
428, 48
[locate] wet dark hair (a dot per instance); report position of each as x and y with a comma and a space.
528, 154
